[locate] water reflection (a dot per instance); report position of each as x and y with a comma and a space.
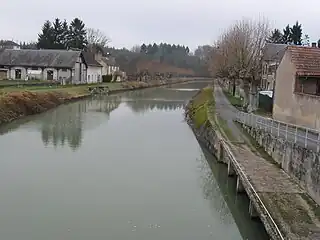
65, 125
216, 184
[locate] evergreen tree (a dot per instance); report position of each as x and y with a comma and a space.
276, 36
58, 34
149, 49
287, 35
319, 43
296, 34
154, 49
77, 34
65, 34
143, 48
46, 37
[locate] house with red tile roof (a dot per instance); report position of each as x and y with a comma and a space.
297, 89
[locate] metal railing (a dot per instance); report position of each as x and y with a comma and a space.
271, 221
304, 137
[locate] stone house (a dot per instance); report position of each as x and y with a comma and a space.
64, 66
272, 55
297, 91
94, 70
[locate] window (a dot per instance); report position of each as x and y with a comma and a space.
308, 85
64, 70
98, 77
88, 77
34, 68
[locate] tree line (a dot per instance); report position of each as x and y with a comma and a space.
289, 35
60, 34
237, 54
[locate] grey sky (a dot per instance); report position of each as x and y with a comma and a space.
130, 22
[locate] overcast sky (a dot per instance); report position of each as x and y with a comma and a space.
130, 22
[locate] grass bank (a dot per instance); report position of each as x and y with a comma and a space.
202, 109
198, 107
235, 101
16, 102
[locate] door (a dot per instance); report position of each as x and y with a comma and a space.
50, 75
18, 74
3, 74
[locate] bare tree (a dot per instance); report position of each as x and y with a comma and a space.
97, 40
237, 56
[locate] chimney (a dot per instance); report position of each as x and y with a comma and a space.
314, 45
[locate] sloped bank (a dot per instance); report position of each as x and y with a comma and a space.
274, 197
15, 105
206, 131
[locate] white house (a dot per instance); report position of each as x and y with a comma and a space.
109, 66
94, 70
272, 55
65, 66
8, 44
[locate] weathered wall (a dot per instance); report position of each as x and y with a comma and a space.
291, 107
213, 140
300, 163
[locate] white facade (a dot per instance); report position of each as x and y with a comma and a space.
94, 74
76, 75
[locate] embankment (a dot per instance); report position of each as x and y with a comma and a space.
300, 163
282, 206
20, 103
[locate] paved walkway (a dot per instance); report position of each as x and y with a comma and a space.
289, 205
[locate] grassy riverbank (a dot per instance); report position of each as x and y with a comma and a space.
19, 102
198, 106
202, 109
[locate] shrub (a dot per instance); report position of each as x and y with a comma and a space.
106, 78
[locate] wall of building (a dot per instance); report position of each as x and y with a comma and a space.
40, 74
94, 74
268, 77
300, 163
79, 72
290, 107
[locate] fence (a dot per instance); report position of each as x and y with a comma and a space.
304, 137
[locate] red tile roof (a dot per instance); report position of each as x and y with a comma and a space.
306, 60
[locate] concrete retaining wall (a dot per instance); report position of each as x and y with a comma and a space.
214, 141
300, 163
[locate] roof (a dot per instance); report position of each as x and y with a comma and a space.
306, 60
109, 61
90, 60
39, 58
8, 43
274, 51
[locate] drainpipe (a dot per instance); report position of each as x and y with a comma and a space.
274, 86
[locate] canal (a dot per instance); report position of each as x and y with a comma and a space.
124, 166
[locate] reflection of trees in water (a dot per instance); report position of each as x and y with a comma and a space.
139, 106
65, 124
160, 93
212, 192
107, 105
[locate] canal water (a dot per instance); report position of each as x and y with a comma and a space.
125, 166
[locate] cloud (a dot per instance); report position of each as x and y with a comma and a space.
130, 22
